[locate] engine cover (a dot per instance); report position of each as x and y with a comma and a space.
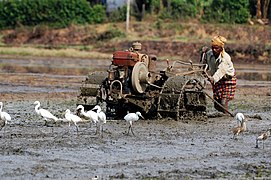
125, 58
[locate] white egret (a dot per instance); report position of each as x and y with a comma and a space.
101, 116
262, 137
44, 113
4, 117
239, 117
239, 129
89, 115
131, 117
72, 118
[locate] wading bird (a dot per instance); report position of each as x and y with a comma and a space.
44, 113
101, 116
88, 115
239, 117
130, 118
72, 118
4, 117
238, 130
262, 137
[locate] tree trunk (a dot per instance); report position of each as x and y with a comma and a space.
161, 5
143, 10
265, 8
259, 11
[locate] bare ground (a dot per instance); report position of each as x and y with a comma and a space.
161, 149
246, 43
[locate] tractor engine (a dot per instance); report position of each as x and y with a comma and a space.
129, 75
130, 71
133, 84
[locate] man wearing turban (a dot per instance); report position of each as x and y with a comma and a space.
222, 72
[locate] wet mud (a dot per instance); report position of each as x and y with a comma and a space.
160, 149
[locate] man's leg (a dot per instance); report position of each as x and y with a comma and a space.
216, 105
225, 104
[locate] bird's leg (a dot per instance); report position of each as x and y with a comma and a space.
77, 128
129, 130
47, 125
4, 133
256, 144
45, 122
132, 130
96, 129
102, 129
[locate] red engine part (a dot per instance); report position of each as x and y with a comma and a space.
124, 58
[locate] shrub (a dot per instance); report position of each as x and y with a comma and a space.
227, 11
179, 9
53, 12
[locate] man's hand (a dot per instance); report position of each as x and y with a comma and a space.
211, 79
204, 49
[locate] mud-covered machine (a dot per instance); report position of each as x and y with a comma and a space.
132, 84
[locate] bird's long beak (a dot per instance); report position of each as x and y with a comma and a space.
142, 117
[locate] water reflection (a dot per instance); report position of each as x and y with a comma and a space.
66, 75
254, 76
253, 72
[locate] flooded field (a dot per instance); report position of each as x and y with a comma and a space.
161, 149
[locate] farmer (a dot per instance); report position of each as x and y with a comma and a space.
221, 72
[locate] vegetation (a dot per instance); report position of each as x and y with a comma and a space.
56, 13
84, 25
62, 13
229, 11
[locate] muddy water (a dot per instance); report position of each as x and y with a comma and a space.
161, 149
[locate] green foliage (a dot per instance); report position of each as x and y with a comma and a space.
97, 14
53, 12
222, 11
180, 9
158, 24
62, 13
154, 6
227, 11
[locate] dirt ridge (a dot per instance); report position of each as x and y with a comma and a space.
246, 43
